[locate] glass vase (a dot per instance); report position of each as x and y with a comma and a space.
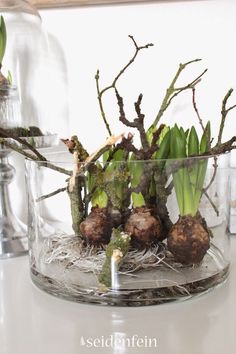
36, 65
128, 233
13, 235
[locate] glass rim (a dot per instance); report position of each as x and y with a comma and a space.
149, 161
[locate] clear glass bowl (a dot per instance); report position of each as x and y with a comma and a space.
165, 263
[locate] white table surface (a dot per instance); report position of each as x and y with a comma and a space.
33, 322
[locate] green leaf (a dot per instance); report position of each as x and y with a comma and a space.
206, 139
178, 186
182, 132
105, 156
177, 143
202, 168
90, 181
152, 130
136, 169
193, 142
99, 198
3, 38
188, 180
138, 199
149, 133
164, 131
119, 155
9, 78
188, 194
186, 133
164, 148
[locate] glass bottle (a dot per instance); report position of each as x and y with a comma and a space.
36, 68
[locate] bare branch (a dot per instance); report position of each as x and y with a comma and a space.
157, 134
101, 104
100, 92
224, 112
122, 117
137, 49
172, 92
23, 142
215, 165
43, 197
196, 109
188, 86
211, 202
32, 157
137, 122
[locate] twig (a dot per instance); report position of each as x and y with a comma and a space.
140, 120
128, 146
101, 104
213, 175
17, 149
137, 49
172, 92
137, 122
147, 151
222, 148
32, 157
196, 109
23, 142
122, 117
112, 140
156, 135
100, 92
51, 194
76, 204
211, 202
189, 86
224, 112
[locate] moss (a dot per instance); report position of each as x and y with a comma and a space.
117, 247
23, 132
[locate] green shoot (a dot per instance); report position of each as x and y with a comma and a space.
9, 78
3, 38
136, 170
116, 179
108, 183
99, 197
164, 145
160, 157
189, 179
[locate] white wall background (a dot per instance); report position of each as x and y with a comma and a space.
97, 37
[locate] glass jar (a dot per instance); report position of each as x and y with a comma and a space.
36, 66
13, 235
129, 233
10, 116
